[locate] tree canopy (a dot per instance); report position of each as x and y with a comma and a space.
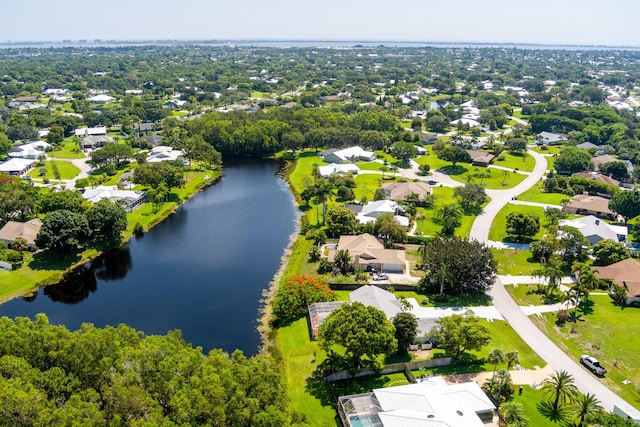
361, 330
458, 333
626, 203
573, 159
521, 225
107, 219
63, 231
295, 293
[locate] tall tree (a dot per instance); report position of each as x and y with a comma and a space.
560, 387
449, 217
454, 154
63, 231
626, 203
521, 225
583, 406
361, 330
458, 333
406, 326
107, 219
512, 415
608, 252
471, 196
495, 357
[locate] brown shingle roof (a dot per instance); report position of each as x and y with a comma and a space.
400, 190
28, 230
589, 203
369, 250
624, 273
598, 177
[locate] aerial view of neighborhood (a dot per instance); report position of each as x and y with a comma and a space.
343, 233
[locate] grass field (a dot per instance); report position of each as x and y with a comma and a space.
66, 169
538, 195
498, 230
603, 331
520, 161
443, 196
514, 262
67, 151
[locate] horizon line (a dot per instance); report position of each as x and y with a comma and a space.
310, 40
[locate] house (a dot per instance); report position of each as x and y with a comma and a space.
478, 157
595, 229
17, 166
429, 403
596, 176
97, 141
584, 204
401, 190
174, 103
606, 158
372, 210
133, 92
550, 138
164, 153
589, 146
351, 154
56, 92
143, 127
130, 199
326, 171
27, 230
624, 273
466, 122
373, 296
367, 253
153, 140
30, 150
95, 131
26, 98
100, 99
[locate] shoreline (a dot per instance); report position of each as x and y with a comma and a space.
265, 329
57, 277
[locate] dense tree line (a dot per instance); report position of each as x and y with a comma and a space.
119, 377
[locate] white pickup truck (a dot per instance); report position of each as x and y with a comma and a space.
593, 365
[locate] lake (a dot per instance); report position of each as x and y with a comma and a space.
202, 270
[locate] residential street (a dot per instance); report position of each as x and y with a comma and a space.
556, 358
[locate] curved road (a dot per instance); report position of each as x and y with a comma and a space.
538, 341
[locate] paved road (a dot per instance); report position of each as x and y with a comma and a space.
538, 341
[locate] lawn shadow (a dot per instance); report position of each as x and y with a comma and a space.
558, 416
453, 170
50, 260
586, 307
307, 154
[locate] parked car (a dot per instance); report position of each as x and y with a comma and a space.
593, 365
380, 276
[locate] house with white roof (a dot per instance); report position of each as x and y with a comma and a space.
327, 171
30, 150
100, 99
351, 154
164, 153
98, 130
431, 402
550, 138
372, 210
595, 229
17, 166
130, 199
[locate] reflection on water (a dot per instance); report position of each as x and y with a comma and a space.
202, 270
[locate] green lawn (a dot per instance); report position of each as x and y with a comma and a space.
300, 357
443, 196
525, 294
67, 151
520, 161
529, 399
494, 180
498, 230
257, 94
605, 332
66, 169
538, 195
514, 262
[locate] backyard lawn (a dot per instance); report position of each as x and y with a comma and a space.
443, 196
602, 332
498, 230
67, 151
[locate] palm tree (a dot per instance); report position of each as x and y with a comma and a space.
495, 357
588, 281
552, 271
512, 414
511, 358
583, 406
560, 387
322, 190
449, 217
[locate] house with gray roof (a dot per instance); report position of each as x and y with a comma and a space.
550, 138
595, 229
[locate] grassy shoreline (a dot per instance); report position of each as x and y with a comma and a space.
26, 280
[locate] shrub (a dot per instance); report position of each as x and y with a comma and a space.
296, 293
138, 230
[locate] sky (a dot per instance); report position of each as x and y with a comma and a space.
583, 22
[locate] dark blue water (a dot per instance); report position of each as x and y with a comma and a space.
202, 270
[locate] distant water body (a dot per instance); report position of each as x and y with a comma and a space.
335, 44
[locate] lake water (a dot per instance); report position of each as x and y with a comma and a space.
202, 270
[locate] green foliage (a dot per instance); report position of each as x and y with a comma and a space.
63, 230
403, 150
111, 153
471, 196
457, 266
154, 174
458, 333
454, 154
449, 217
626, 203
560, 387
616, 170
406, 326
107, 219
296, 293
115, 376
573, 159
521, 225
49, 201
361, 330
341, 221
389, 230
608, 252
